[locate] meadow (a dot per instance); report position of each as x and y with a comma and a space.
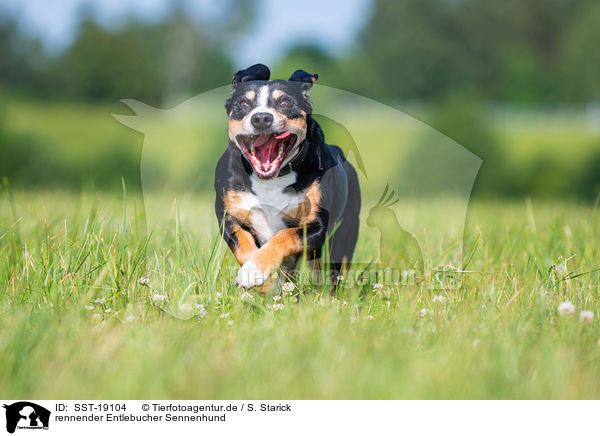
98, 300
86, 314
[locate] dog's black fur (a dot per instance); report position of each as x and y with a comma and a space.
324, 193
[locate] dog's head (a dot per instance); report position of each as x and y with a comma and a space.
267, 119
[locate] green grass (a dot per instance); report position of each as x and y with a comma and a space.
497, 335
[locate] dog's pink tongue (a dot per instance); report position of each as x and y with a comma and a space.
265, 148
262, 140
283, 135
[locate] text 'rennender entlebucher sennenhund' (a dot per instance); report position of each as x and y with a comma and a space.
281, 191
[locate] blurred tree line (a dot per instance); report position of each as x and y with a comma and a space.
514, 50
149, 61
453, 54
510, 50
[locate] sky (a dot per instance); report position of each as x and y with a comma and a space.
333, 25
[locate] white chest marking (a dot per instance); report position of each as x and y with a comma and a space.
269, 204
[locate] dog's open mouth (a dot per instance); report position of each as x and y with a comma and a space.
266, 151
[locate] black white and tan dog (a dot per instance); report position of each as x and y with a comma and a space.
281, 191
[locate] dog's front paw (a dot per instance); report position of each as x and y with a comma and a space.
250, 275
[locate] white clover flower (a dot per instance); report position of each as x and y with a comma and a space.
293, 299
230, 322
144, 281
247, 297
89, 307
224, 315
566, 308
159, 297
100, 300
439, 299
344, 303
377, 287
340, 278
278, 307
185, 307
202, 310
423, 313
288, 287
276, 298
586, 316
109, 310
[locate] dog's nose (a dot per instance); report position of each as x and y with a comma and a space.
262, 120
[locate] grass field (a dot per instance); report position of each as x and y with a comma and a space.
173, 325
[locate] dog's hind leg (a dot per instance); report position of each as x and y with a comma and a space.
344, 239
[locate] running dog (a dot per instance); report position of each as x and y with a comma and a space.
281, 191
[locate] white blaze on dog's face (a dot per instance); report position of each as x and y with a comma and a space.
267, 122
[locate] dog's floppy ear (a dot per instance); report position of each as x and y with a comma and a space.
255, 72
304, 77
306, 81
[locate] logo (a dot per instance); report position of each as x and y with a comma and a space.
423, 179
26, 415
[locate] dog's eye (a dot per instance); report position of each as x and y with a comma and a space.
244, 104
285, 102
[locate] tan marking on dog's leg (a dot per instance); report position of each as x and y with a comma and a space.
246, 246
285, 243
